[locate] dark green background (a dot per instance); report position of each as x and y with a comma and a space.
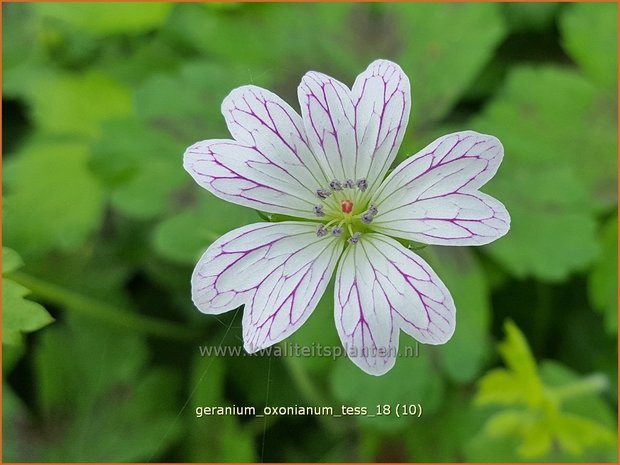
99, 103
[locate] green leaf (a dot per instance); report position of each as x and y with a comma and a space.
447, 45
76, 104
517, 355
143, 168
519, 384
540, 414
94, 385
47, 207
20, 27
603, 279
564, 239
187, 106
151, 191
576, 433
462, 357
19, 315
124, 148
183, 237
11, 260
506, 423
530, 16
264, 36
133, 65
541, 129
587, 403
590, 32
499, 386
24, 59
413, 380
103, 19
536, 438
559, 168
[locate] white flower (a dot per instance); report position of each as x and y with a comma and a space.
327, 168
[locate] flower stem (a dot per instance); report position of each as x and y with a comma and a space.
72, 301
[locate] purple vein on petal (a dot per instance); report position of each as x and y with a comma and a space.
278, 270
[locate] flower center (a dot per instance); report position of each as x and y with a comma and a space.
343, 205
346, 206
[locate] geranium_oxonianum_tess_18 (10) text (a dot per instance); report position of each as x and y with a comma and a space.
327, 169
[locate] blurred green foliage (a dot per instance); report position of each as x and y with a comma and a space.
537, 419
100, 101
21, 315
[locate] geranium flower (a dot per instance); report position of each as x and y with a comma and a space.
327, 169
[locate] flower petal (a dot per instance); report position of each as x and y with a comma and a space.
433, 196
382, 97
329, 119
269, 165
382, 287
243, 175
356, 133
260, 118
278, 270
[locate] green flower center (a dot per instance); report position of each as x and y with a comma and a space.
344, 206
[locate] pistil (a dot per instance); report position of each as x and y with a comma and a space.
346, 206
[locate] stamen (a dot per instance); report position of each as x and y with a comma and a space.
318, 211
323, 193
362, 184
335, 185
337, 231
321, 231
373, 210
367, 218
355, 238
349, 183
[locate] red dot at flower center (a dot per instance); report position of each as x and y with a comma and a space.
347, 206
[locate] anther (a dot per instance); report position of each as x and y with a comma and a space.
373, 210
355, 238
362, 184
337, 231
350, 183
367, 218
323, 193
321, 231
335, 185
318, 211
